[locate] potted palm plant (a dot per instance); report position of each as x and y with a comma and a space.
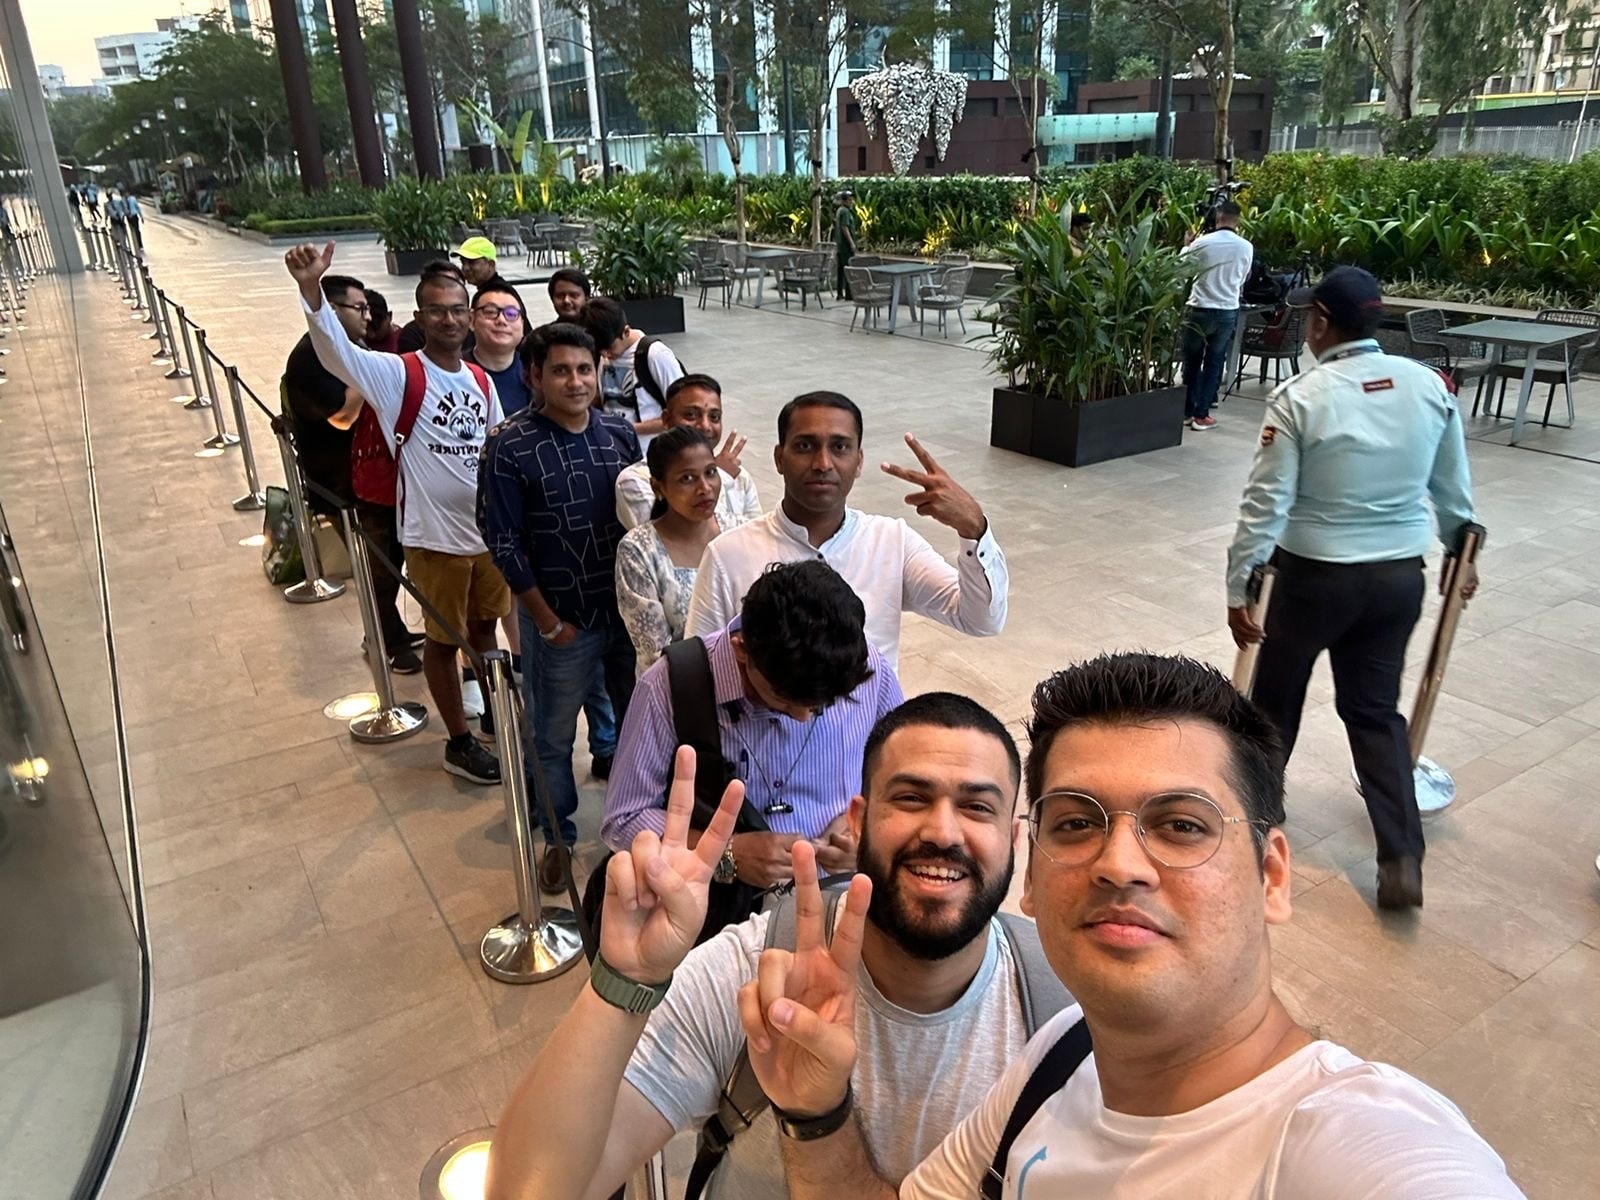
413, 218
1088, 341
637, 258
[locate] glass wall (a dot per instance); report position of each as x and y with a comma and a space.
74, 975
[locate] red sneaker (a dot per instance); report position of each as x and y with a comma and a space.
1201, 424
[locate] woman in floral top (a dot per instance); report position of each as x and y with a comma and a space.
657, 561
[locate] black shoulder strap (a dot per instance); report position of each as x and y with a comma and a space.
742, 1099
1048, 1078
1042, 992
643, 376
694, 721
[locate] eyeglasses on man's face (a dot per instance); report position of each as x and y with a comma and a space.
1181, 830
363, 309
509, 313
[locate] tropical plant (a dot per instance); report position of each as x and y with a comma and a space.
513, 143
637, 256
414, 214
1089, 327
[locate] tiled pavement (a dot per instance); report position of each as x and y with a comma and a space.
321, 1022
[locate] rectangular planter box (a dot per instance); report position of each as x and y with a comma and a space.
655, 314
1077, 435
410, 262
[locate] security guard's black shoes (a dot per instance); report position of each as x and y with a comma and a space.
1400, 884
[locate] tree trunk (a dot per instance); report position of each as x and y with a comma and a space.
813, 144
1222, 87
1403, 60
730, 137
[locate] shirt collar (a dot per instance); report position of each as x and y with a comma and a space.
797, 532
1333, 352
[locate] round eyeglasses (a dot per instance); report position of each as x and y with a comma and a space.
1180, 830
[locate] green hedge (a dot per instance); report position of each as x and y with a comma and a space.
261, 224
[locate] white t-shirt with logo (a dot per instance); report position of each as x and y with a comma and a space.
1321, 1125
439, 464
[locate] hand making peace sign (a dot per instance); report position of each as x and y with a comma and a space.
656, 891
799, 1011
941, 497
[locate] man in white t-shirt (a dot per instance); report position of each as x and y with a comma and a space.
1223, 260
890, 565
1156, 869
446, 559
696, 401
942, 996
632, 385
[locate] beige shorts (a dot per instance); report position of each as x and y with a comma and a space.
463, 587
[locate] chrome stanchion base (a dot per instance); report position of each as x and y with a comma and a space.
513, 952
390, 724
312, 591
196, 402
1436, 790
177, 372
254, 502
220, 441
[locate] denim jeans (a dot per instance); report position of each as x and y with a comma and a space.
1207, 338
557, 681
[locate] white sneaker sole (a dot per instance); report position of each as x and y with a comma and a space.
463, 773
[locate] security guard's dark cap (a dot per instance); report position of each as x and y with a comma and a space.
1349, 297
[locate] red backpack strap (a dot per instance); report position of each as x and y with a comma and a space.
411, 404
482, 377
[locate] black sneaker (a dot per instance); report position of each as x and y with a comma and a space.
472, 762
405, 662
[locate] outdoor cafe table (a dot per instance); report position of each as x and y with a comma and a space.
1532, 336
902, 277
761, 258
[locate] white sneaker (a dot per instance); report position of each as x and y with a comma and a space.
471, 698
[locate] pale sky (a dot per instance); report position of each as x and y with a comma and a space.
64, 33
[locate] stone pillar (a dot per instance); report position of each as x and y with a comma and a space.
419, 89
297, 93
358, 94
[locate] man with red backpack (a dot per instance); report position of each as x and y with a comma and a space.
322, 414
445, 406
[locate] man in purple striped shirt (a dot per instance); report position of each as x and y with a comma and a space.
797, 691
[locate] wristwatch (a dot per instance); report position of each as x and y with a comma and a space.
554, 633
727, 870
622, 992
809, 1129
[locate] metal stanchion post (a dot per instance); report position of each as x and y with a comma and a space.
163, 328
106, 264
531, 944
149, 317
392, 721
313, 587
178, 370
254, 499
223, 438
1244, 667
200, 398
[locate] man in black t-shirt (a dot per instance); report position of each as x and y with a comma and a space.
322, 412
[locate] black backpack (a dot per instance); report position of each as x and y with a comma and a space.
1261, 286
742, 1100
644, 376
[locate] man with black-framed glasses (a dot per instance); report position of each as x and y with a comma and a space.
1156, 871
498, 321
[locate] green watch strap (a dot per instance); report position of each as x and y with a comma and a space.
622, 992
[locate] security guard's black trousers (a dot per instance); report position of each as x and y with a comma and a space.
1362, 614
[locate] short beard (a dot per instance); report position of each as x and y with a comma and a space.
897, 918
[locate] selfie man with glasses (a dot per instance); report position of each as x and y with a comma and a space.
1156, 870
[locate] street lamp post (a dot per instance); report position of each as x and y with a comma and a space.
599, 95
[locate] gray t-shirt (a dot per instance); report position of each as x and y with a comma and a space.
916, 1074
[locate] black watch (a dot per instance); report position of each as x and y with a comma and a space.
809, 1129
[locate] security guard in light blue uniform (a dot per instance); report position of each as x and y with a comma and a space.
1351, 452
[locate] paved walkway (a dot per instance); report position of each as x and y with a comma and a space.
321, 1023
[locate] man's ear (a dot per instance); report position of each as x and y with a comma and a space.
736, 640
777, 458
856, 814
1276, 878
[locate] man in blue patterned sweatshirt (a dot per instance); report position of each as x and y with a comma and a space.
547, 511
